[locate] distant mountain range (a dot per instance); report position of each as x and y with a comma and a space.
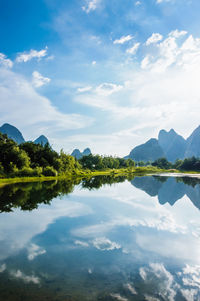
13, 133
169, 145
78, 155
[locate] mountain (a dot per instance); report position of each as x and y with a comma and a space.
173, 145
12, 132
41, 140
170, 145
149, 151
86, 152
78, 155
193, 144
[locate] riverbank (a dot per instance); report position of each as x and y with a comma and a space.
138, 171
179, 174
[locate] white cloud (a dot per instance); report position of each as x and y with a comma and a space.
27, 56
170, 53
161, 1
91, 6
177, 33
161, 90
190, 294
133, 49
130, 288
84, 89
50, 58
105, 244
137, 3
188, 269
81, 243
20, 275
154, 38
145, 62
34, 251
118, 297
2, 268
123, 39
33, 223
39, 80
191, 276
107, 89
5, 62
166, 285
22, 106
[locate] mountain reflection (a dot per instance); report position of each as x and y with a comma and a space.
170, 189
114, 243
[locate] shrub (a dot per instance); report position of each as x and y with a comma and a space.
37, 172
25, 172
1, 170
49, 171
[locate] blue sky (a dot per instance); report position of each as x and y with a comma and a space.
104, 74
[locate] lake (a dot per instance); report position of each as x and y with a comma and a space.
101, 239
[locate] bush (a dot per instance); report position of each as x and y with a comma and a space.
1, 170
37, 172
49, 171
25, 172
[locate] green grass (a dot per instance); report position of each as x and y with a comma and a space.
85, 174
80, 174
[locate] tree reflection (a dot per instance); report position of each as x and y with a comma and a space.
28, 196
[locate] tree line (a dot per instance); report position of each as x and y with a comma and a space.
34, 160
30, 159
187, 164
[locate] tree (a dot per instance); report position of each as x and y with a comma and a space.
162, 163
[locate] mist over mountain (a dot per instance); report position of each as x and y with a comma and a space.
170, 145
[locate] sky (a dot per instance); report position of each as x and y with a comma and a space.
104, 74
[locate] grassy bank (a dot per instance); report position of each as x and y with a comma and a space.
86, 174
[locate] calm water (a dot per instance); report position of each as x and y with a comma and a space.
134, 239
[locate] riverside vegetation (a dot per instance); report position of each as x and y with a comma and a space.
30, 161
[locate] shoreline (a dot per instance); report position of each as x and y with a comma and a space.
111, 172
178, 175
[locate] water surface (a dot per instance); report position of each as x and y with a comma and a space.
136, 239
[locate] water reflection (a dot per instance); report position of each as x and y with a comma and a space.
170, 189
28, 196
72, 241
